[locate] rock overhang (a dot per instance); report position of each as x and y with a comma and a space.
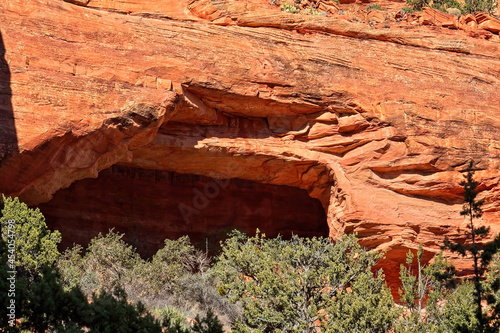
376, 124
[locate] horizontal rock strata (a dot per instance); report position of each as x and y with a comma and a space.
377, 124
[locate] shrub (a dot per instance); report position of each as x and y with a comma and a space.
428, 282
71, 266
35, 245
492, 291
454, 313
312, 11
441, 5
289, 8
111, 312
282, 285
200, 292
41, 302
408, 10
445, 5
176, 259
48, 305
418, 4
369, 307
459, 311
373, 7
473, 6
172, 319
107, 263
454, 11
208, 324
109, 260
175, 322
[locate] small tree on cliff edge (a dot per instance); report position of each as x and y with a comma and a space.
472, 209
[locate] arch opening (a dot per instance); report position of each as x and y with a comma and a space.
150, 205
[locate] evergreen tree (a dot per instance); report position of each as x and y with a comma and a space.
48, 305
430, 283
35, 244
43, 302
208, 324
481, 254
492, 292
459, 313
300, 284
111, 312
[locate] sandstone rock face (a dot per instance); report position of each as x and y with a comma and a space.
376, 124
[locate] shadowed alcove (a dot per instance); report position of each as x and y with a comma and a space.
8, 133
151, 205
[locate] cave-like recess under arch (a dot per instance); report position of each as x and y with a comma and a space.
151, 205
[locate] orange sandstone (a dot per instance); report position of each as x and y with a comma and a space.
376, 122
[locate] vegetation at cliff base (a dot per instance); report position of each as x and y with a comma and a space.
52, 291
450, 306
35, 245
466, 7
473, 6
374, 7
441, 5
289, 8
255, 284
301, 285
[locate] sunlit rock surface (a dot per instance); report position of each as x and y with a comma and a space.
372, 122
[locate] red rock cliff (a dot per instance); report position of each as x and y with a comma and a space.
376, 122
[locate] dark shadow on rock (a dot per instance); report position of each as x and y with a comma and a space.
8, 133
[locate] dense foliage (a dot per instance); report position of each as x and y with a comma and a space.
442, 5
466, 7
491, 287
448, 309
289, 8
52, 291
374, 7
473, 6
302, 284
35, 245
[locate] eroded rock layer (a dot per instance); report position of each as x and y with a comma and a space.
375, 122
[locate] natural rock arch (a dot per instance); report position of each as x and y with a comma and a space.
372, 122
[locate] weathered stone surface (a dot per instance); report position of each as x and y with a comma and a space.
376, 15
437, 17
488, 22
376, 123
